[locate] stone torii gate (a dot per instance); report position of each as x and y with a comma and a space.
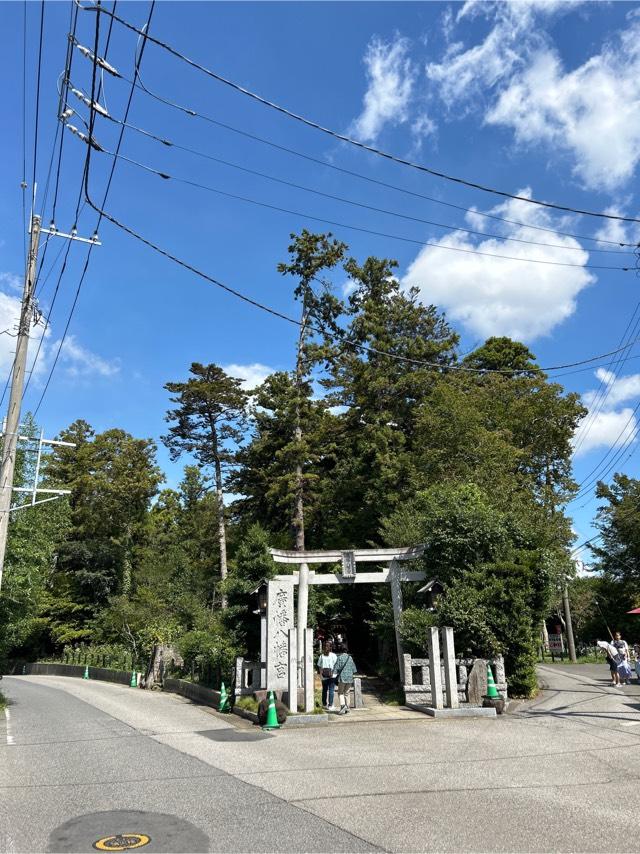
281, 636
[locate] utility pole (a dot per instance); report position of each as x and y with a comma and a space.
12, 421
569, 626
17, 384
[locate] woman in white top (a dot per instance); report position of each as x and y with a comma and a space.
623, 671
326, 669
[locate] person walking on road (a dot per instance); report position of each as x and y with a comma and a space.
326, 668
345, 670
623, 670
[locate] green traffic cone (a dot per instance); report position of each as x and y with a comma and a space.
272, 715
134, 680
492, 691
223, 705
86, 672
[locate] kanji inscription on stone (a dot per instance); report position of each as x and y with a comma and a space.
279, 621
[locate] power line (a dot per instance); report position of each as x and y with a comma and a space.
362, 229
24, 127
344, 138
605, 387
79, 206
37, 105
86, 180
24, 137
589, 480
73, 19
294, 152
448, 226
269, 310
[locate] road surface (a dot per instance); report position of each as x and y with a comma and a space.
83, 761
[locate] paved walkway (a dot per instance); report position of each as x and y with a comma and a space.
81, 759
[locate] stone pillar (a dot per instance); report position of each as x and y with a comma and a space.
293, 671
449, 656
357, 693
406, 667
435, 673
279, 621
309, 673
501, 677
263, 651
239, 682
303, 611
477, 684
396, 598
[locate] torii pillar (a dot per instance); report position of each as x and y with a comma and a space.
393, 574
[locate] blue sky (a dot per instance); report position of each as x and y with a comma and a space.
535, 98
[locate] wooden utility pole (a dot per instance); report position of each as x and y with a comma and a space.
12, 421
569, 626
10, 442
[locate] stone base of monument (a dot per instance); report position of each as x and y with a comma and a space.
462, 712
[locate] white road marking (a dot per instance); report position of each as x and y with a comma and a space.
630, 723
10, 739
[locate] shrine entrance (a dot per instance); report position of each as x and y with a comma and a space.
287, 649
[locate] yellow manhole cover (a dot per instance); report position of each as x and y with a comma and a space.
122, 842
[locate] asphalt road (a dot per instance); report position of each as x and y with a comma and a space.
81, 761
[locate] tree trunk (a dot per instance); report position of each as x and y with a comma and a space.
298, 510
222, 534
126, 568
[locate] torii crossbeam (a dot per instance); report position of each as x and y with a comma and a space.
349, 558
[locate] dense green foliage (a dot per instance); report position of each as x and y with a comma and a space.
381, 434
601, 601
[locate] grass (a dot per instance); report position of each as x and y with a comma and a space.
3, 701
393, 696
247, 704
592, 658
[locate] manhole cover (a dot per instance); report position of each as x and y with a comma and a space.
234, 735
112, 831
122, 842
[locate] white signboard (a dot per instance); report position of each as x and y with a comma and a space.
556, 644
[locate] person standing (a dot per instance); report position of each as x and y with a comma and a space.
623, 670
345, 670
326, 668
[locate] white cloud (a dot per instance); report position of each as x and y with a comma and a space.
609, 429
606, 426
517, 78
391, 77
493, 296
11, 282
619, 389
78, 361
251, 375
347, 288
616, 230
590, 112
9, 319
423, 126
81, 362
465, 73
